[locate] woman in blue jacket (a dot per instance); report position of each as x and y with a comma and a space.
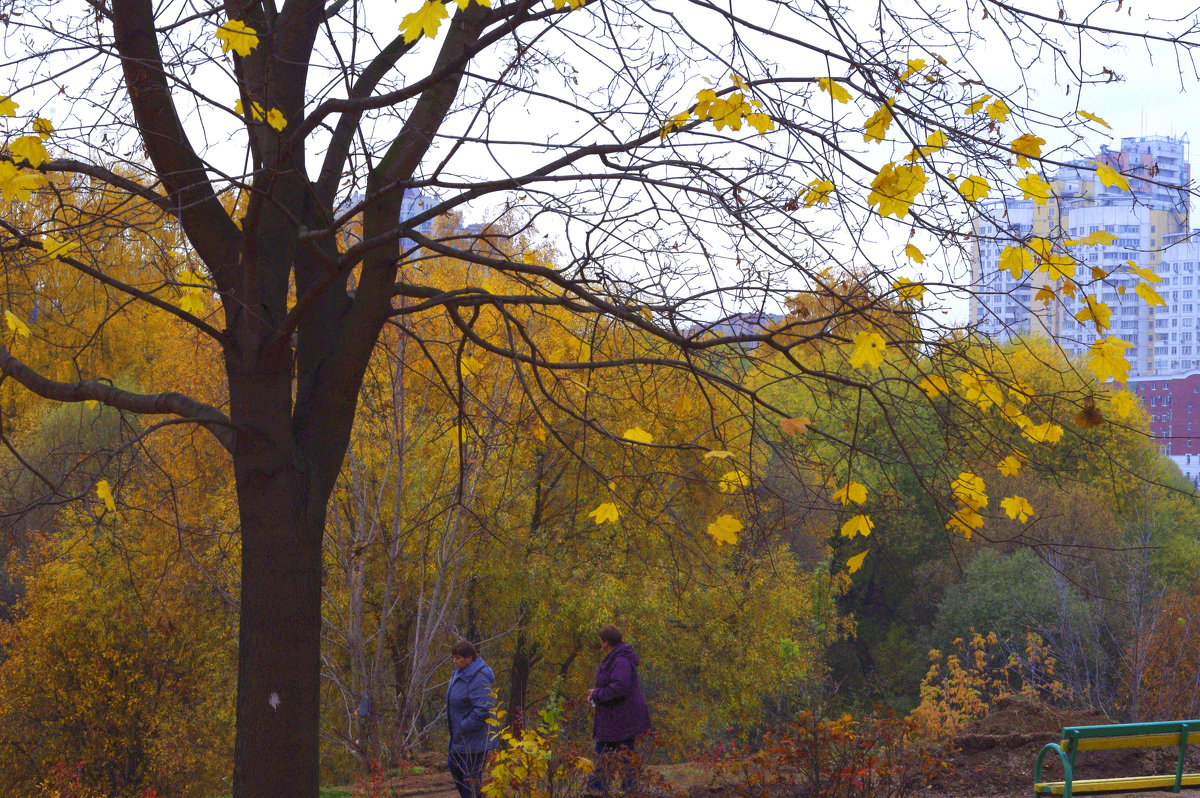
468, 706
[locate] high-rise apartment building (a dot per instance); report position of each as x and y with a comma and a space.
1150, 223
1151, 227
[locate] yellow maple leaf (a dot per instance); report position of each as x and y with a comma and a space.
256, 110
965, 520
105, 494
980, 389
1107, 359
674, 123
1097, 238
877, 124
835, 90
706, 99
8, 107
192, 302
16, 324
237, 36
974, 107
1026, 147
605, 513
1145, 274
43, 127
914, 66
760, 122
974, 188
729, 112
933, 142
855, 562
29, 148
868, 350
1058, 265
638, 435
907, 289
1149, 295
1043, 433
970, 490
1009, 466
894, 188
276, 119
1094, 118
559, 5
725, 529
1012, 411
1017, 260
1125, 403
1111, 177
914, 254
733, 481
425, 21
189, 279
933, 385
17, 185
719, 454
818, 193
1017, 507
55, 248
852, 491
1098, 313
1035, 188
998, 110
858, 525
462, 4
469, 366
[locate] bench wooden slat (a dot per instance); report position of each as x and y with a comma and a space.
1116, 785
1130, 741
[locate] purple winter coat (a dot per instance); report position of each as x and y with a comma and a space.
621, 711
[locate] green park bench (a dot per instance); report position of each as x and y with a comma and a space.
1112, 737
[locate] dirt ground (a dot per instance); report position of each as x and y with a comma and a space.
996, 754
993, 758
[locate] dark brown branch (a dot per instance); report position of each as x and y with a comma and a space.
169, 403
214, 235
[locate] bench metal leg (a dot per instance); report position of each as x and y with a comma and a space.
1183, 741
1066, 763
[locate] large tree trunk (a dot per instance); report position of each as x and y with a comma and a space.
278, 700
282, 511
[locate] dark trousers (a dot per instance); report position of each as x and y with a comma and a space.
466, 767
612, 759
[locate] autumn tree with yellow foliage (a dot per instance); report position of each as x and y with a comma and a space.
691, 167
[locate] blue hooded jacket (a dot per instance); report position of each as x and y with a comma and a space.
468, 706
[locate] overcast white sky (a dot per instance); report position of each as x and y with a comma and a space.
1157, 93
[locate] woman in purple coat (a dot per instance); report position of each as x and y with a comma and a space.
621, 711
